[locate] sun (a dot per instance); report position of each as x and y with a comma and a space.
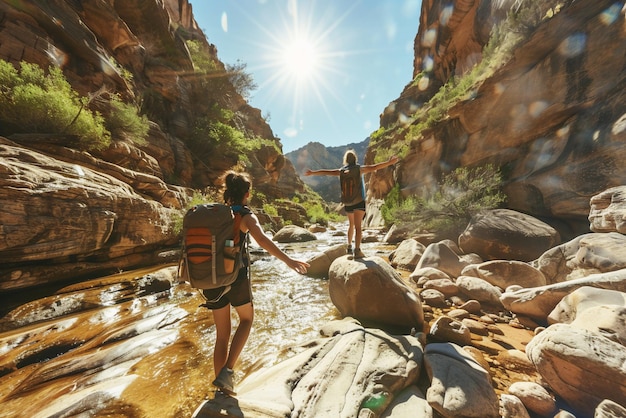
300, 58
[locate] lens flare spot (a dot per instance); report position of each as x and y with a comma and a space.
429, 38
446, 13
619, 126
536, 108
428, 64
423, 83
610, 15
573, 45
224, 22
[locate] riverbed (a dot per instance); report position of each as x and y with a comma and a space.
139, 344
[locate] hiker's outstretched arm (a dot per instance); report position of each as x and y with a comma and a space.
373, 167
251, 224
322, 172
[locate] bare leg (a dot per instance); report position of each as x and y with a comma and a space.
223, 327
358, 220
350, 228
246, 315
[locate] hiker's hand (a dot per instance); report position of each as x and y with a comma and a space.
299, 266
308, 172
394, 159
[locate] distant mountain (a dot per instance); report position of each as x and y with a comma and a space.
316, 156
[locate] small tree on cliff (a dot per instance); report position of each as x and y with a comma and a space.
461, 194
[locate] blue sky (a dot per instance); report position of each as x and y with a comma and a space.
325, 69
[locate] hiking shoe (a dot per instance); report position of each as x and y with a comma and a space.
349, 250
224, 381
358, 253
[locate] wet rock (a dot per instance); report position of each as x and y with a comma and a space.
459, 385
356, 288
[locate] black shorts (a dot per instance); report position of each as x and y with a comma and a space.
358, 206
239, 294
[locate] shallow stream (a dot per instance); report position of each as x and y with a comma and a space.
133, 345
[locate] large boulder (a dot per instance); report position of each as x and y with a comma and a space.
538, 302
608, 211
460, 386
319, 264
582, 256
504, 273
407, 255
582, 367
446, 256
353, 372
294, 233
508, 235
583, 298
372, 291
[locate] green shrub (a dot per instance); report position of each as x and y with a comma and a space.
32, 101
124, 119
461, 194
270, 210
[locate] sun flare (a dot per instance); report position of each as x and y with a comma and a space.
300, 58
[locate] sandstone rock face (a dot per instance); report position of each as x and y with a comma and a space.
584, 255
579, 365
352, 372
77, 218
608, 210
552, 114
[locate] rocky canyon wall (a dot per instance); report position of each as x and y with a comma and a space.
68, 212
551, 116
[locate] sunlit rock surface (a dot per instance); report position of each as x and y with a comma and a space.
551, 114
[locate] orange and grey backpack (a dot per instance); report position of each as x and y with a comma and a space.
213, 245
351, 185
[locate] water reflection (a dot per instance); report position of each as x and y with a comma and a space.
139, 344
